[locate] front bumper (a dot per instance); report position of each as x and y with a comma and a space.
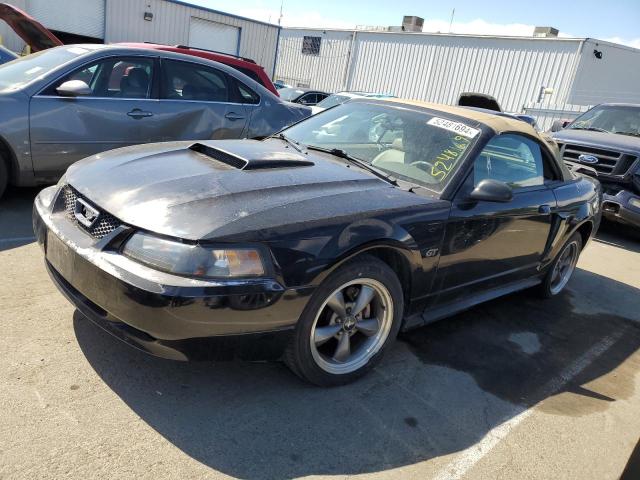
618, 208
163, 314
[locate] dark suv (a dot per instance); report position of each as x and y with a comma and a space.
605, 143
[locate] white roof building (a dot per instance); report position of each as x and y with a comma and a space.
549, 78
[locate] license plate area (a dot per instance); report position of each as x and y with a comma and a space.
59, 255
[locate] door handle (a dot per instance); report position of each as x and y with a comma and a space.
233, 116
544, 209
137, 113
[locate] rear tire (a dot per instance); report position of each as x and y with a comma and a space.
4, 176
562, 268
350, 321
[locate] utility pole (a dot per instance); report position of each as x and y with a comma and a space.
280, 17
453, 14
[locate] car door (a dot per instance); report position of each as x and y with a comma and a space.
490, 244
197, 102
116, 113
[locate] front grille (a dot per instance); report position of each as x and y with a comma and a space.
103, 226
609, 162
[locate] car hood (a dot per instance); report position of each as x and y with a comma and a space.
230, 188
612, 141
30, 30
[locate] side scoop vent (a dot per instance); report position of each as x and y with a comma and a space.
244, 164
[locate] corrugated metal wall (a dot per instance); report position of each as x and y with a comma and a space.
326, 71
433, 67
438, 68
82, 17
124, 22
170, 25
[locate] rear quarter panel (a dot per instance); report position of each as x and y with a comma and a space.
579, 203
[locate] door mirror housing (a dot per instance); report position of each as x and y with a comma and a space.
559, 125
74, 88
489, 190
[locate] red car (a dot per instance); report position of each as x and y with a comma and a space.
244, 65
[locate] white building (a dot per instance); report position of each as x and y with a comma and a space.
169, 22
549, 78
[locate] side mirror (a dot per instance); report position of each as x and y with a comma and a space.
74, 88
489, 190
559, 125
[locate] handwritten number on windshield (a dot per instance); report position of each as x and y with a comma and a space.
447, 159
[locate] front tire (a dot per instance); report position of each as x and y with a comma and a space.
562, 268
348, 324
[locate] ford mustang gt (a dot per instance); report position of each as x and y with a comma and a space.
319, 244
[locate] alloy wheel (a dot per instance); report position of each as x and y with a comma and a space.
564, 267
351, 326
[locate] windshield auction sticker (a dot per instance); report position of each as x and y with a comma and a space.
456, 127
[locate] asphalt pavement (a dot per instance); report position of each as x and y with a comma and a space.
515, 388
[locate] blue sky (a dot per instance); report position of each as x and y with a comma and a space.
617, 20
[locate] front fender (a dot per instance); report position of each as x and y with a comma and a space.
363, 235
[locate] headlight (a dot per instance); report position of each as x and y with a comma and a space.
193, 260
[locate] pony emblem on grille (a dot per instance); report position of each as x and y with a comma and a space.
85, 213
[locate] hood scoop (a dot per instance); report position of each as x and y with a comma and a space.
271, 160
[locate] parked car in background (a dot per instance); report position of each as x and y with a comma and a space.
66, 103
36, 36
305, 96
605, 143
341, 97
279, 84
488, 103
245, 65
6, 55
320, 243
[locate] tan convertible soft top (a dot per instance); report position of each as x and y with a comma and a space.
495, 122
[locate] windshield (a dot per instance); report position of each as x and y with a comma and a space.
624, 120
22, 71
289, 94
333, 100
419, 147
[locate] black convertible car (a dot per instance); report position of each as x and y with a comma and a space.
318, 244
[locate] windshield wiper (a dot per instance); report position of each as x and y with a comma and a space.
593, 129
338, 152
294, 144
633, 134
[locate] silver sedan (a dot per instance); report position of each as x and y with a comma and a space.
67, 103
